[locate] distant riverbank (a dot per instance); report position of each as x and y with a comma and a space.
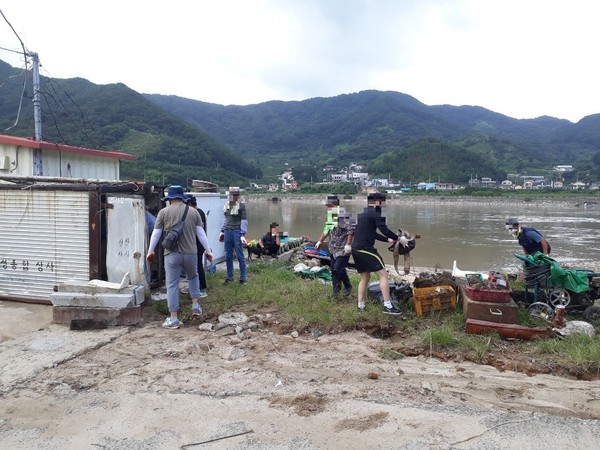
580, 202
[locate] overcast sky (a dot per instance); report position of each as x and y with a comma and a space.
522, 58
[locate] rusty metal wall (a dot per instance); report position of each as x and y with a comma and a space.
44, 241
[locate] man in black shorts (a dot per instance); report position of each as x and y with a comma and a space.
364, 253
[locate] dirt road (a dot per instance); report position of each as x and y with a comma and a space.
150, 388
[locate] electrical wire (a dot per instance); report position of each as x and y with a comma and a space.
24, 78
83, 124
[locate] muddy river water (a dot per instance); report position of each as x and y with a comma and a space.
469, 232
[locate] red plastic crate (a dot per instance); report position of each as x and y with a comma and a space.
489, 295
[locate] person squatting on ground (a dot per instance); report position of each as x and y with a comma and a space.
340, 240
530, 239
200, 248
364, 253
268, 244
233, 233
184, 258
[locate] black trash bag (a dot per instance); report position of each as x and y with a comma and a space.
399, 292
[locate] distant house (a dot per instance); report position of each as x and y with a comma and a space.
426, 186
563, 168
506, 184
338, 177
23, 157
447, 186
273, 187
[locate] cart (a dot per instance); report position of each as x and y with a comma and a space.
546, 295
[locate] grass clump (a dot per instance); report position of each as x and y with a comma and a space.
580, 351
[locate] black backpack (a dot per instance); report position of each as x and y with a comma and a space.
171, 240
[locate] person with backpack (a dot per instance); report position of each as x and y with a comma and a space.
183, 256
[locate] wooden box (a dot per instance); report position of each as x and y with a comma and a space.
502, 312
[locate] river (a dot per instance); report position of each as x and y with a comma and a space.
470, 232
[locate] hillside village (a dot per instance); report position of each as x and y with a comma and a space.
355, 173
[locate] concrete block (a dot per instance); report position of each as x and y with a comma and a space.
108, 300
112, 316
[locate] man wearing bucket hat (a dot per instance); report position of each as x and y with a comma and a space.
184, 257
233, 233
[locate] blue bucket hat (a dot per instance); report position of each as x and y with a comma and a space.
175, 191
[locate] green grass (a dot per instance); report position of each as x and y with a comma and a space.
305, 305
581, 351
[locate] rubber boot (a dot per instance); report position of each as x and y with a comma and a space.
347, 284
336, 282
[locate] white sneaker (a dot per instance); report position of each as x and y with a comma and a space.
203, 293
171, 323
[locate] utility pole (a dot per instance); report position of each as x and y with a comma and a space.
38, 168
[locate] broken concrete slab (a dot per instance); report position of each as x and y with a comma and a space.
113, 316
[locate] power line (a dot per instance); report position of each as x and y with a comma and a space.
26, 70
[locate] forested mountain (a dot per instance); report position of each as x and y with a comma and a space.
395, 134
178, 139
80, 113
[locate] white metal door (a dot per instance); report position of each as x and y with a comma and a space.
127, 239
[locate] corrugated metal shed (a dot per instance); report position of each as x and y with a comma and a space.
44, 240
70, 233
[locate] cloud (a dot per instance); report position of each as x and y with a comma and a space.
523, 59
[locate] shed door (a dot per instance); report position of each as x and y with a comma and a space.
44, 241
126, 239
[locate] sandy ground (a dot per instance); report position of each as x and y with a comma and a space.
148, 388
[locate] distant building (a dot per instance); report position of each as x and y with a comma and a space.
338, 177
563, 168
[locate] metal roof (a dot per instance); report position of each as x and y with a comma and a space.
44, 145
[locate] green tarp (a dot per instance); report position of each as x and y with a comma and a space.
573, 280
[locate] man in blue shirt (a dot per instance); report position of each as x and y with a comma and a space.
530, 239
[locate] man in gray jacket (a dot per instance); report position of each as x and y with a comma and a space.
185, 257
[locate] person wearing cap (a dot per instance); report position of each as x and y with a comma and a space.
191, 200
530, 239
184, 258
233, 233
340, 240
268, 244
365, 255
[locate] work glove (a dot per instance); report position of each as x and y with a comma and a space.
347, 249
403, 240
243, 239
317, 245
209, 255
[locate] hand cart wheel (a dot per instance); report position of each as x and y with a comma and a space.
559, 296
541, 310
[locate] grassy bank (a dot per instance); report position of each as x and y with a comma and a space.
286, 302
